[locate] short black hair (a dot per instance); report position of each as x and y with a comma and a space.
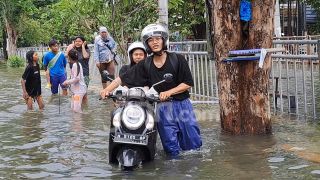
73, 54
52, 42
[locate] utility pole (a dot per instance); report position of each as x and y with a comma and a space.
304, 19
163, 12
277, 24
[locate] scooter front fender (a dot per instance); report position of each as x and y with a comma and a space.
129, 157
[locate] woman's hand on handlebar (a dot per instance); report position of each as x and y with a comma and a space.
104, 93
165, 95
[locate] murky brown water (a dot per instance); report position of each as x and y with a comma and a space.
49, 145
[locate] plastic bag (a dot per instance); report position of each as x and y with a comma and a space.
245, 10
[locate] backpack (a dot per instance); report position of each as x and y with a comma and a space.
173, 59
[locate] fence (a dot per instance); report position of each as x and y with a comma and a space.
188, 46
204, 74
294, 76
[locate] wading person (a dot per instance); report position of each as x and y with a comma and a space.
54, 63
104, 54
31, 81
77, 84
136, 53
81, 46
176, 123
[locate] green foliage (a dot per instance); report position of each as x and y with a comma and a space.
185, 15
131, 18
15, 61
31, 33
11, 10
38, 21
315, 4
40, 62
315, 28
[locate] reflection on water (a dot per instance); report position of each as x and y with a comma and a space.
46, 144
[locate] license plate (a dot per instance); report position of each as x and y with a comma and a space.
131, 139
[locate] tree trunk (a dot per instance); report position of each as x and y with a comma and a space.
11, 38
4, 44
243, 86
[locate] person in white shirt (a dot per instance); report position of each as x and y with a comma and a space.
77, 84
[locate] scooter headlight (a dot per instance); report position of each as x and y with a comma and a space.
116, 120
133, 117
150, 122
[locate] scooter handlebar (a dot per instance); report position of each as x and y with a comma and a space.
110, 96
150, 98
157, 99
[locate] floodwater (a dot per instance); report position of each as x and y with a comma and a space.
50, 144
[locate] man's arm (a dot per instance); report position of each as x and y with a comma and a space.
177, 90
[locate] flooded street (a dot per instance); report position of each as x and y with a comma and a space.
58, 144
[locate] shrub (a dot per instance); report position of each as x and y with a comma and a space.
40, 61
15, 61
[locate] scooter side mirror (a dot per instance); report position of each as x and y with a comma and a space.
105, 75
168, 77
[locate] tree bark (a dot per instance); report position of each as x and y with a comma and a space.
243, 86
4, 44
11, 38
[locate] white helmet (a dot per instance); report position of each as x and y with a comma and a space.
133, 46
154, 30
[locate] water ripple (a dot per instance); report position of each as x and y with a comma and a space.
51, 145
276, 159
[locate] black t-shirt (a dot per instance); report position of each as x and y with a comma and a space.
83, 61
124, 69
33, 82
138, 76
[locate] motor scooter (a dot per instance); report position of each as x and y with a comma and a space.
133, 132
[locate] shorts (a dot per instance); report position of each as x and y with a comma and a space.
56, 81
